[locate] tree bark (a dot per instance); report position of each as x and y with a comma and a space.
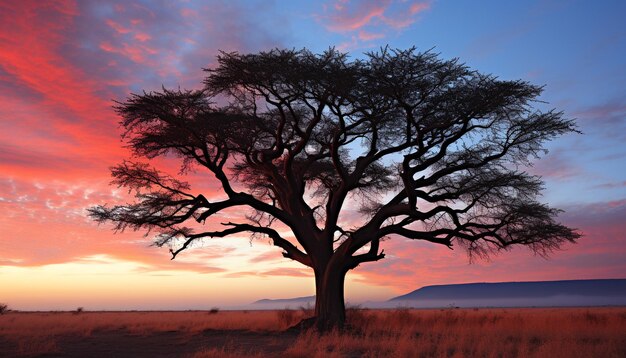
330, 309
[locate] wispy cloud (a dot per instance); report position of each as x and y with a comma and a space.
611, 185
557, 165
607, 119
280, 271
365, 21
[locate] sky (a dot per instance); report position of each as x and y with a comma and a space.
62, 63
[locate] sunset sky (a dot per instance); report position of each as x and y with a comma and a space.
63, 62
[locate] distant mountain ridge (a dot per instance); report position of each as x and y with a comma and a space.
564, 293
296, 300
519, 290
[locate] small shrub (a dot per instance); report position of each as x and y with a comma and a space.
214, 310
79, 310
286, 317
307, 310
4, 308
594, 318
401, 316
356, 316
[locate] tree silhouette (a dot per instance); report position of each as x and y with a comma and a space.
424, 148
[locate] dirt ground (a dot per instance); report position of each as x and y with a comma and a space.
122, 344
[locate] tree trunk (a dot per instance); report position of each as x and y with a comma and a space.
330, 309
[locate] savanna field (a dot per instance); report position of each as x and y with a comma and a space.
502, 332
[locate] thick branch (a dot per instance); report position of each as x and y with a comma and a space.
290, 251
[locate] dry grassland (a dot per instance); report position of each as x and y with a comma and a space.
527, 332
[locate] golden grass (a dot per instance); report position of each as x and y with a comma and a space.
527, 332
37, 333
593, 332
84, 324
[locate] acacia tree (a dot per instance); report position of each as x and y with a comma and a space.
424, 148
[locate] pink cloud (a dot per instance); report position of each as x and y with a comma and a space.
419, 7
117, 27
611, 185
273, 255
30, 39
137, 53
367, 36
370, 20
556, 165
360, 17
186, 12
281, 271
58, 115
611, 112
607, 119
142, 37
62, 63
288, 271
